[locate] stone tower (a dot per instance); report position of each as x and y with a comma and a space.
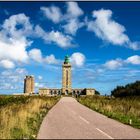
66, 76
29, 84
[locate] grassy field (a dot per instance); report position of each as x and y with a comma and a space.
125, 110
21, 116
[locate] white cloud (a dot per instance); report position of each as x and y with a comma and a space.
17, 26
134, 45
7, 64
40, 77
72, 26
72, 18
106, 28
51, 59
39, 85
73, 10
39, 31
12, 78
114, 64
53, 13
64, 41
60, 39
69, 19
15, 50
117, 63
77, 59
109, 30
36, 55
133, 60
13, 39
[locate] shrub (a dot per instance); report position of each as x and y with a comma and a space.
132, 89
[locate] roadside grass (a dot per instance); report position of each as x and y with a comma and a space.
21, 116
125, 110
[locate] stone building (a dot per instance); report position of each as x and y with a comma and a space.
29, 85
66, 84
66, 76
49, 91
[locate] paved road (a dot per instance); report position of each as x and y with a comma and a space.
68, 119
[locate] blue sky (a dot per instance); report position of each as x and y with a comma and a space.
102, 40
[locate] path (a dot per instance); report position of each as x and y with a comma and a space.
68, 119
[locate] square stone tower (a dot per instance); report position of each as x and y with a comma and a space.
66, 76
29, 84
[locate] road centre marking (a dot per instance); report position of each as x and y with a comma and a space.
84, 119
104, 133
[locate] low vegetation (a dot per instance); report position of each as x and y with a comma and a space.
21, 116
124, 109
122, 105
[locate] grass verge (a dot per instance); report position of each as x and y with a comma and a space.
125, 110
21, 118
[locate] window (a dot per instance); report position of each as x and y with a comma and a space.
66, 78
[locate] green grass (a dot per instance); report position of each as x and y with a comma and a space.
21, 116
121, 109
9, 99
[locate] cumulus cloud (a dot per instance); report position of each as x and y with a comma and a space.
17, 26
106, 28
60, 39
56, 37
114, 64
53, 13
51, 59
15, 50
109, 30
39, 31
70, 19
7, 64
134, 45
117, 63
73, 10
77, 59
72, 26
13, 39
135, 59
36, 55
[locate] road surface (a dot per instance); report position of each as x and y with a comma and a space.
68, 119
